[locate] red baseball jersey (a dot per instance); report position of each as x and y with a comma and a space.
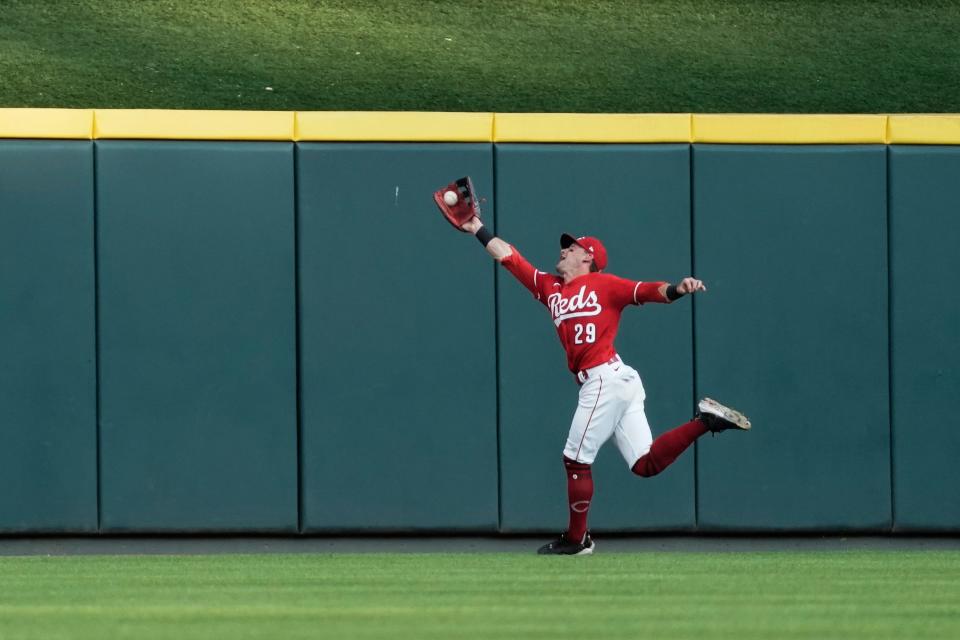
586, 311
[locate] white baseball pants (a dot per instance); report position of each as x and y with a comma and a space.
610, 404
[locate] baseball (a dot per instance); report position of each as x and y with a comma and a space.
450, 197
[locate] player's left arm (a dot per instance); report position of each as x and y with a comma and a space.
688, 285
663, 292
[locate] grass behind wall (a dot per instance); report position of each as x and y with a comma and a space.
704, 56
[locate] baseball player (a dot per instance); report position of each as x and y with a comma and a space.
585, 306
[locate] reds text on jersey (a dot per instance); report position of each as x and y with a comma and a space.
586, 311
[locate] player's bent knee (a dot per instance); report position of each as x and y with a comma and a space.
646, 467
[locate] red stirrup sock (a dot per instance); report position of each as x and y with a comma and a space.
667, 448
579, 492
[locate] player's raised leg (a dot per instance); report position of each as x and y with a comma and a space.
668, 447
647, 456
650, 458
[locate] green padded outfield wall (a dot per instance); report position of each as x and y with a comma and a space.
48, 428
398, 370
792, 242
197, 336
925, 225
291, 339
636, 200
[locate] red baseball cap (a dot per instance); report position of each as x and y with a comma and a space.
592, 245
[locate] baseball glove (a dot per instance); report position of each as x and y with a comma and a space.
458, 202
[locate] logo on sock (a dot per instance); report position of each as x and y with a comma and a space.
580, 506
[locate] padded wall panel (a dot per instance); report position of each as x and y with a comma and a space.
635, 198
197, 336
48, 437
397, 342
924, 224
793, 244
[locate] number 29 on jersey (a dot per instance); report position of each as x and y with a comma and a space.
584, 333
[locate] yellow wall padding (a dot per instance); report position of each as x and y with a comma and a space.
789, 129
585, 127
394, 126
168, 124
409, 126
924, 129
46, 123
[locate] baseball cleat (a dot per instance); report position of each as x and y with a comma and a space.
717, 417
563, 547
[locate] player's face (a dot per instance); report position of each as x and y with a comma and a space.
571, 258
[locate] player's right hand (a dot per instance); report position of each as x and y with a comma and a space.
472, 225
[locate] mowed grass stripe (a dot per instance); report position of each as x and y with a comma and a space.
618, 56
663, 595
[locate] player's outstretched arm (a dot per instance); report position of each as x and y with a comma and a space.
687, 285
497, 248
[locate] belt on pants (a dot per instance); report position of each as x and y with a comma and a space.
584, 374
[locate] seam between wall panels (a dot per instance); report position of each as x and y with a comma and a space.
298, 367
693, 339
96, 333
890, 294
496, 342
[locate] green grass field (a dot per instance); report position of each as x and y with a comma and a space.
484, 55
644, 595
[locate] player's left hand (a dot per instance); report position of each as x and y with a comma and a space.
690, 285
